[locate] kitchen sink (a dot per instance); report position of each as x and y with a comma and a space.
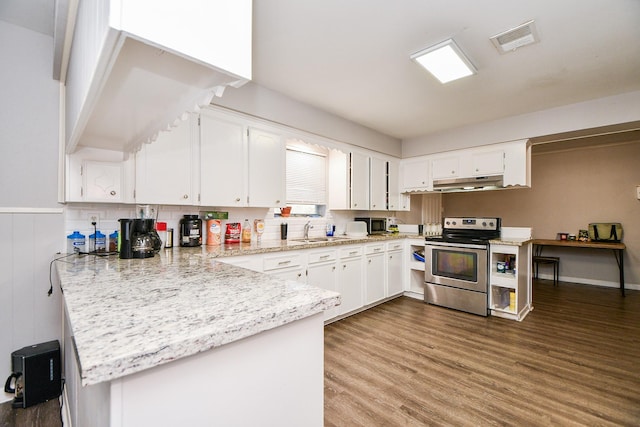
318, 239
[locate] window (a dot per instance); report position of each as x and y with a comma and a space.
306, 180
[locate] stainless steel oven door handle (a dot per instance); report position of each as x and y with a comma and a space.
456, 245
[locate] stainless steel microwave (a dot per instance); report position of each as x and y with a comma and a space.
374, 225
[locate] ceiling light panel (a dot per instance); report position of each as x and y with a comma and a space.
445, 61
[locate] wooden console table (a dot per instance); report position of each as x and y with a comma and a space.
617, 248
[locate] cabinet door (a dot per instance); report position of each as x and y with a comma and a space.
445, 167
350, 284
359, 189
267, 170
222, 157
324, 276
378, 184
338, 180
165, 168
374, 278
487, 163
102, 181
395, 279
415, 175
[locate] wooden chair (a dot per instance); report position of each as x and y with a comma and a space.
553, 260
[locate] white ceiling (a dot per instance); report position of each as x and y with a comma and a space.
351, 58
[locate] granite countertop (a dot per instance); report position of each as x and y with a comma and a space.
267, 246
131, 315
511, 241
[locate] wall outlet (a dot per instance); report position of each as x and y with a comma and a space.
94, 217
638, 191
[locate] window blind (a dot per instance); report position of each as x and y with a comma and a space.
306, 178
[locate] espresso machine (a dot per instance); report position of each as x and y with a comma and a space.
138, 238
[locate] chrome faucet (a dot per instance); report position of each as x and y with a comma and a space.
307, 226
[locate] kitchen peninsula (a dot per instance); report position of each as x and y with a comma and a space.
184, 339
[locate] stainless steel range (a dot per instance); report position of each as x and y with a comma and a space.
456, 264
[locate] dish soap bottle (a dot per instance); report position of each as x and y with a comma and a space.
246, 232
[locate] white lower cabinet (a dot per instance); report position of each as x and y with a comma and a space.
363, 274
394, 267
374, 289
322, 271
350, 279
286, 265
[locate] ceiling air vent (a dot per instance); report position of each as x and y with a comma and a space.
514, 38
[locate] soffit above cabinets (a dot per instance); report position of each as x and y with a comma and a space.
130, 78
149, 90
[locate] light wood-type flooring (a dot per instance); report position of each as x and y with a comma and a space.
573, 361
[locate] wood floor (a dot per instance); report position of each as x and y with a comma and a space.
45, 414
574, 360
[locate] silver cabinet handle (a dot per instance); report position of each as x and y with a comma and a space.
113, 193
186, 196
324, 256
284, 262
277, 202
237, 199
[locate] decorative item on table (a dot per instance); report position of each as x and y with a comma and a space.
286, 211
571, 237
562, 236
258, 227
583, 235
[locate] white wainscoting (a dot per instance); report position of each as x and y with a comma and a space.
30, 239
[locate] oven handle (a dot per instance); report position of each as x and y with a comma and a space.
456, 245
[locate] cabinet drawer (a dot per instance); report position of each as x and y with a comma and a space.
323, 256
282, 261
351, 252
374, 249
395, 246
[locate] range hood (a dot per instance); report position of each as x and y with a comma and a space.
477, 183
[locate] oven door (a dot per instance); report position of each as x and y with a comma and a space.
457, 265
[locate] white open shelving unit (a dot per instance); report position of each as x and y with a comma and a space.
510, 294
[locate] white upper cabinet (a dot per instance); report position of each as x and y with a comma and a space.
359, 181
223, 167
487, 162
397, 200
241, 164
167, 171
378, 180
517, 168
95, 175
445, 167
136, 68
415, 175
267, 170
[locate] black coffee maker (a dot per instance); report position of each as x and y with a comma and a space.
138, 238
36, 375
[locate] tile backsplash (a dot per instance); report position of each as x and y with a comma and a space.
78, 218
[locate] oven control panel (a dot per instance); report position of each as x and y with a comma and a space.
466, 223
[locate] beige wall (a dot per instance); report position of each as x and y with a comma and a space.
569, 190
